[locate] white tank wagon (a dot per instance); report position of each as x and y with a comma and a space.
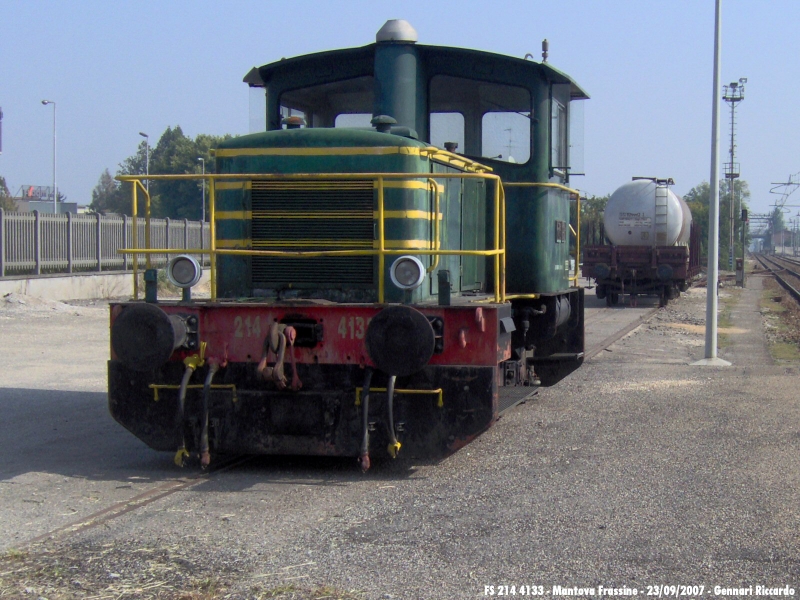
645, 212
653, 249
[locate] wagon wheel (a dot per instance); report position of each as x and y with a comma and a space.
663, 297
609, 300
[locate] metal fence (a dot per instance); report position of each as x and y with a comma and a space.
37, 244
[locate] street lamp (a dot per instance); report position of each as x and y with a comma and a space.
55, 187
146, 160
203, 162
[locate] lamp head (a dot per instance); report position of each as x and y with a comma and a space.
46, 102
144, 135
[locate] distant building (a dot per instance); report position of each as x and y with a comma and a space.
40, 197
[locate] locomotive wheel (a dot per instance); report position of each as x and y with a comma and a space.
614, 298
608, 299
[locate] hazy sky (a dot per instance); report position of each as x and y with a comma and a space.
117, 68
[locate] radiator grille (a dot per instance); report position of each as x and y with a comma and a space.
312, 215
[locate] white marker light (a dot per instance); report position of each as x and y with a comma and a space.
407, 272
184, 271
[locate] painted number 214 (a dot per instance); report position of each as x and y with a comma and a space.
352, 327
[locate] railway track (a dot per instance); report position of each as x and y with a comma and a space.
595, 349
118, 509
785, 270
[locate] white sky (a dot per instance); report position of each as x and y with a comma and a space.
118, 68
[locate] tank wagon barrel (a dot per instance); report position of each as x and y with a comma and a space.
370, 290
653, 247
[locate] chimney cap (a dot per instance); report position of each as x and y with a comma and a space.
397, 30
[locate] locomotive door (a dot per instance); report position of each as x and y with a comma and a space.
473, 233
449, 228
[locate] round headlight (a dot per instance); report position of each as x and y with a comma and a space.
184, 271
407, 272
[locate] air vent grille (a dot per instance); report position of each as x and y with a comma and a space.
312, 215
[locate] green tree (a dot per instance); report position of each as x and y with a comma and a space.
698, 199
592, 209
108, 196
174, 154
6, 201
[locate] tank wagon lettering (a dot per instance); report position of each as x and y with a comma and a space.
628, 219
370, 290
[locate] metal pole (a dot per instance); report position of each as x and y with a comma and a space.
713, 216
732, 200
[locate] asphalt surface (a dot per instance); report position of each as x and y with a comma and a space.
639, 470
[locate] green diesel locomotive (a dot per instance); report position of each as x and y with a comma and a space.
392, 262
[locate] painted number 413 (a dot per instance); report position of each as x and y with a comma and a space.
353, 327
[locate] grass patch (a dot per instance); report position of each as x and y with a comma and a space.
725, 319
785, 352
781, 322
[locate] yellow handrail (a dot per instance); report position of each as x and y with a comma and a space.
436, 228
381, 251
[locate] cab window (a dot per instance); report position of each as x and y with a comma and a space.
494, 118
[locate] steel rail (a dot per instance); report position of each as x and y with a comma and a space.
598, 348
123, 507
766, 262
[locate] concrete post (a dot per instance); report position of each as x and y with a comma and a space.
125, 241
99, 241
69, 242
37, 243
166, 237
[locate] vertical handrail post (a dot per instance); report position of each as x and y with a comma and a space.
147, 232
186, 234
577, 236
498, 286
212, 199
381, 243
502, 240
135, 235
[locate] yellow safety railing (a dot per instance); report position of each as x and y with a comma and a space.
576, 231
498, 252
